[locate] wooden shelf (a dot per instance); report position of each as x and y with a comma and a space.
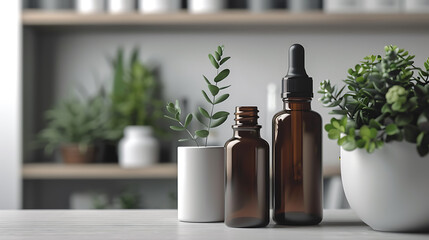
97, 171
224, 19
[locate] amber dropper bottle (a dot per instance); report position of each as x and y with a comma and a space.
297, 149
247, 172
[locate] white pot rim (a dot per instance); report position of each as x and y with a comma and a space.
200, 147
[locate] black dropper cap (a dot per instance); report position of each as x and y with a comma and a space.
297, 83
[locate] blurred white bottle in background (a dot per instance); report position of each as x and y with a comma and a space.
159, 6
121, 6
89, 6
416, 6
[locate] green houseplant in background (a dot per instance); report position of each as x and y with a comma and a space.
74, 125
383, 131
136, 110
201, 169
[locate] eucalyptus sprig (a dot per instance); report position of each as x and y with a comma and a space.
387, 100
208, 118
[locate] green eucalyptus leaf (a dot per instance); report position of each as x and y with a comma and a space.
188, 120
204, 112
403, 119
222, 88
213, 61
349, 144
365, 132
177, 106
207, 81
176, 128
222, 75
219, 50
213, 89
202, 133
221, 98
218, 122
329, 127
207, 97
220, 114
224, 60
201, 119
217, 56
177, 116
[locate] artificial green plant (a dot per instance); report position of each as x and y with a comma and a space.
384, 99
208, 118
136, 94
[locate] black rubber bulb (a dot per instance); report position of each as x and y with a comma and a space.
297, 83
296, 61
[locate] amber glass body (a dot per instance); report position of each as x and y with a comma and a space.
247, 176
297, 164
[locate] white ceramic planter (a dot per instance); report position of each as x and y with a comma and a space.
138, 148
417, 6
159, 6
121, 6
343, 6
206, 6
388, 189
383, 6
200, 184
89, 6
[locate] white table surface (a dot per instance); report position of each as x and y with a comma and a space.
163, 224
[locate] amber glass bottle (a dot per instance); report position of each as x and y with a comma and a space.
297, 150
247, 173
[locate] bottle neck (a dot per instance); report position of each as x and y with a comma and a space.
248, 132
297, 103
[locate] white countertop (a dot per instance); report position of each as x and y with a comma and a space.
163, 224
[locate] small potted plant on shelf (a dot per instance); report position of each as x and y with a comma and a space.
136, 110
201, 168
383, 131
74, 126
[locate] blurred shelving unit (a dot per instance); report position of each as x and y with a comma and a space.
232, 18
46, 171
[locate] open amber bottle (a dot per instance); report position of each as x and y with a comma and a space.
247, 173
297, 149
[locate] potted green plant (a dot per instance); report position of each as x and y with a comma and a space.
73, 126
201, 168
136, 110
383, 131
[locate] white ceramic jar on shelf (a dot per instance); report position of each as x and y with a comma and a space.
343, 6
121, 6
383, 6
417, 6
206, 6
159, 6
138, 148
89, 6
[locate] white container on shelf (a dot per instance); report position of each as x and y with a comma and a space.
303, 5
259, 5
343, 6
121, 6
206, 6
416, 6
383, 6
89, 6
138, 148
200, 184
159, 6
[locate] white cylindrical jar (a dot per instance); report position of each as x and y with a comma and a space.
89, 6
138, 148
383, 6
417, 6
121, 6
343, 6
159, 6
200, 184
206, 6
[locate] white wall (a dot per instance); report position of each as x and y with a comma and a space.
10, 106
259, 57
